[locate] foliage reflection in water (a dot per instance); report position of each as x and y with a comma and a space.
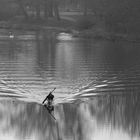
102, 117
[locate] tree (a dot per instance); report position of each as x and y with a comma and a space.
85, 7
51, 9
21, 6
56, 11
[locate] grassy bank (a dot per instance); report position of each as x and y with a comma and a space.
80, 26
33, 24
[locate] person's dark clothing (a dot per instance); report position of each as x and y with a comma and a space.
50, 97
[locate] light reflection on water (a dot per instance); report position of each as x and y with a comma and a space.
97, 84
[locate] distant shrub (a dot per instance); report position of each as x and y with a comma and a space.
84, 23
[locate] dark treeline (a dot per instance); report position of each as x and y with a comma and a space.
117, 15
29, 8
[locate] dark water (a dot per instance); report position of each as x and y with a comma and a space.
97, 87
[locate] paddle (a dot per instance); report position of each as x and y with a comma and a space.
52, 116
47, 95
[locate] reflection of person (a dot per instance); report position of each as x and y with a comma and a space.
49, 105
50, 108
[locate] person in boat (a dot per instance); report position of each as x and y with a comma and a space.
49, 104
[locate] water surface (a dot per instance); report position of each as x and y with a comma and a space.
97, 87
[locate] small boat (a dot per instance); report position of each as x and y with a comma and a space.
49, 105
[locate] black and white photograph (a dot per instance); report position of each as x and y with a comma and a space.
69, 69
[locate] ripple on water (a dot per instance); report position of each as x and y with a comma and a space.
77, 68
34, 88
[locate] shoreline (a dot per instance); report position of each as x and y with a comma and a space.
63, 25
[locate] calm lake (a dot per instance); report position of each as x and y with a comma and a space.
97, 82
